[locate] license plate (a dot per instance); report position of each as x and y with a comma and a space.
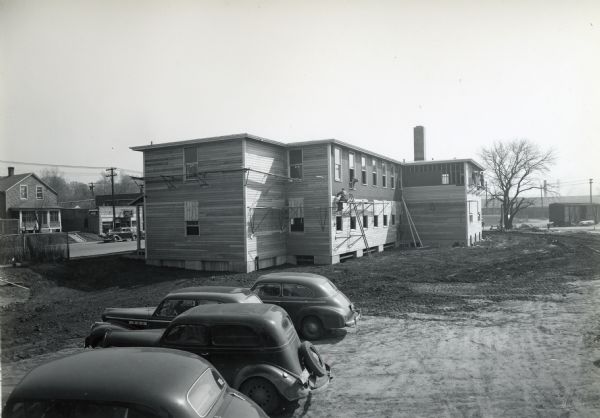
304, 376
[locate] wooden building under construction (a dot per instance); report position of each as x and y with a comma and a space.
242, 203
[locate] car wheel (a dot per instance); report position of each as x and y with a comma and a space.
312, 359
262, 392
312, 328
118, 238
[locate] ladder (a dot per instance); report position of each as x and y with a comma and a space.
411, 226
353, 205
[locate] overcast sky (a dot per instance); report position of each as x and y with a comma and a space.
82, 81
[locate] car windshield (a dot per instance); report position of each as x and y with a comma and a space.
330, 288
60, 408
205, 392
252, 299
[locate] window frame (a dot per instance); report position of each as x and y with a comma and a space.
353, 223
365, 222
39, 193
186, 176
337, 161
297, 166
283, 285
351, 168
375, 221
445, 178
383, 174
374, 172
25, 188
385, 220
339, 224
363, 170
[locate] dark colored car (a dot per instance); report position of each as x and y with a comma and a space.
312, 301
176, 302
121, 234
254, 346
127, 383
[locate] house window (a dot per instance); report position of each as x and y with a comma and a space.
365, 221
375, 220
393, 177
351, 169
353, 222
191, 218
393, 219
39, 192
383, 175
338, 164
363, 168
191, 162
445, 178
54, 216
374, 164
23, 191
296, 213
339, 226
296, 163
385, 220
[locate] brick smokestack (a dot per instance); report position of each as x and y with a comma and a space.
419, 135
11, 171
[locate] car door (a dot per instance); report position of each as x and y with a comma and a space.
295, 297
194, 338
269, 292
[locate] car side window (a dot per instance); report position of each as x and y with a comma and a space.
234, 336
170, 308
266, 290
296, 291
187, 335
207, 302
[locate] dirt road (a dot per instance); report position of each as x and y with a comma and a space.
510, 328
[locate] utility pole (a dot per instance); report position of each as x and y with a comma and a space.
112, 188
591, 181
91, 185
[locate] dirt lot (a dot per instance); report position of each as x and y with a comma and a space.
510, 327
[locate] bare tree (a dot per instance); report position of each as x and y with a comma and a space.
513, 168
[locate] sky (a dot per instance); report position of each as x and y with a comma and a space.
82, 81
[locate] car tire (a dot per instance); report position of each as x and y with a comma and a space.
311, 328
118, 238
262, 392
312, 359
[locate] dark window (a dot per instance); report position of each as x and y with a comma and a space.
375, 220
392, 179
383, 175
267, 290
39, 192
385, 220
234, 336
187, 335
192, 228
365, 221
172, 307
374, 169
351, 168
353, 222
54, 216
296, 290
23, 192
338, 164
191, 162
296, 163
339, 226
393, 219
363, 169
297, 224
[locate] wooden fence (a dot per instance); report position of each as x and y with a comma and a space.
9, 226
34, 247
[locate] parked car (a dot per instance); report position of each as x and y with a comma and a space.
121, 234
175, 303
254, 346
127, 383
312, 301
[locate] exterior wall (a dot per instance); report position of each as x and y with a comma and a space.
14, 201
3, 213
265, 196
221, 214
474, 217
376, 201
314, 190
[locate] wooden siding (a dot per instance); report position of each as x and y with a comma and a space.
13, 199
221, 214
439, 213
314, 188
265, 195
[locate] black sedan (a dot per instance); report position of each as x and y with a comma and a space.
312, 301
127, 383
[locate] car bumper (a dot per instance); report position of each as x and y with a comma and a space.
356, 315
313, 384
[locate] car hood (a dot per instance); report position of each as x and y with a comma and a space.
129, 313
132, 338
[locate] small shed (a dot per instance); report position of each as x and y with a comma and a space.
567, 214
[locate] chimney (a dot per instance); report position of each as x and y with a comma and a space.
419, 135
11, 171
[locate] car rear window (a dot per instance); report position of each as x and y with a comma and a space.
205, 392
252, 299
59, 408
296, 291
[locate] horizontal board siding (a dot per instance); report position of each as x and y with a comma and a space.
265, 198
220, 209
314, 189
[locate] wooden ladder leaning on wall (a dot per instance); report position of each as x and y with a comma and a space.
411, 226
353, 206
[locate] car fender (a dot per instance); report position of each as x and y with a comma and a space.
331, 317
98, 331
287, 384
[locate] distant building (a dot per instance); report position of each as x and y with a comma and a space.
28, 199
99, 218
567, 214
242, 203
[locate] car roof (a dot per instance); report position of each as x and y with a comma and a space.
249, 313
293, 277
155, 377
229, 292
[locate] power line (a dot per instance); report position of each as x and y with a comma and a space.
66, 166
